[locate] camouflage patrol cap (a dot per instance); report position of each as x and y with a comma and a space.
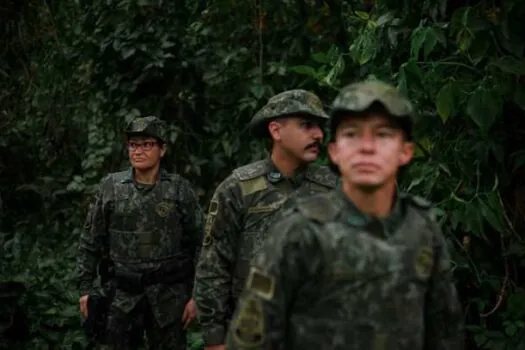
361, 96
358, 97
291, 102
147, 126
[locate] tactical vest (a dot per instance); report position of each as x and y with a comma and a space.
370, 290
263, 194
145, 227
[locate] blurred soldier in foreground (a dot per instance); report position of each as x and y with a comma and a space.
362, 267
244, 204
148, 224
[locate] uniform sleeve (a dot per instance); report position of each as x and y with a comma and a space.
285, 261
213, 278
444, 318
192, 221
92, 240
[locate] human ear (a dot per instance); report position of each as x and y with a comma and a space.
407, 152
163, 150
331, 147
274, 128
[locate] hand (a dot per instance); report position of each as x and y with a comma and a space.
215, 347
83, 305
189, 314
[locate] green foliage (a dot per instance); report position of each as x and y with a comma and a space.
73, 73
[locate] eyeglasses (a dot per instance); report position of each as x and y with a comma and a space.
145, 146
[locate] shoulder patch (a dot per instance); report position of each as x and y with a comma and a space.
261, 284
253, 185
252, 170
322, 175
319, 207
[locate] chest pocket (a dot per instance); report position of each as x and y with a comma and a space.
257, 220
125, 212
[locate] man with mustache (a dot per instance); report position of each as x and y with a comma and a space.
361, 267
244, 204
145, 228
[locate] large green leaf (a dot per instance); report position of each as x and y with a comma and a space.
425, 38
509, 64
447, 101
484, 107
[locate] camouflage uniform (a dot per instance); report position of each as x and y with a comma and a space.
331, 277
147, 228
239, 213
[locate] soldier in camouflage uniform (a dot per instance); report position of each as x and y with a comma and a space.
362, 267
150, 223
246, 201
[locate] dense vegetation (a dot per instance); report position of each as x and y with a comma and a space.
73, 72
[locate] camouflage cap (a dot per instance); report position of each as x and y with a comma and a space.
148, 126
360, 96
290, 102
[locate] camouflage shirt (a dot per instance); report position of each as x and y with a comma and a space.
144, 227
329, 277
239, 213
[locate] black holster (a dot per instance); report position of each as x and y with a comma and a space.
96, 322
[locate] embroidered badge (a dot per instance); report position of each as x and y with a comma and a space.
163, 209
424, 262
248, 326
210, 219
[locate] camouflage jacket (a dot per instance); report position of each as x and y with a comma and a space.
329, 277
239, 214
144, 228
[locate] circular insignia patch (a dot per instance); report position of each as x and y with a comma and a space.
163, 209
248, 326
274, 176
356, 220
424, 262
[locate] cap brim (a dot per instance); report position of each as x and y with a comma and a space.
260, 129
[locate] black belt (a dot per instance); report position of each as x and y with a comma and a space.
134, 282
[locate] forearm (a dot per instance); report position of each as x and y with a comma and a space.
192, 222
89, 256
212, 296
93, 241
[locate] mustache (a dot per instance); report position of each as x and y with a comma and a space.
315, 144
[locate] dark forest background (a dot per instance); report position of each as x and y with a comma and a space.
72, 73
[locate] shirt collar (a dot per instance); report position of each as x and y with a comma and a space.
357, 218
